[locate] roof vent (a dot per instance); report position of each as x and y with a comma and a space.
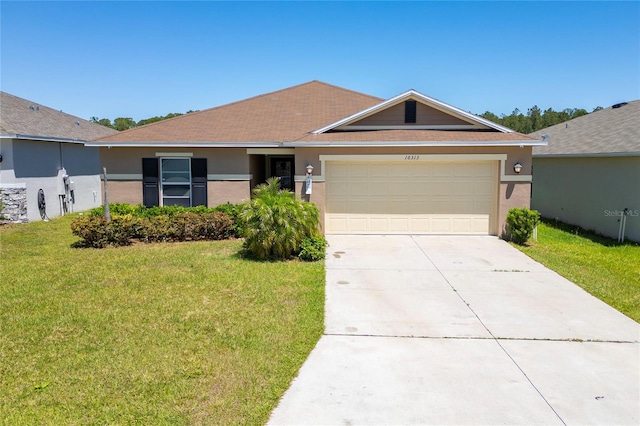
77, 123
410, 111
621, 104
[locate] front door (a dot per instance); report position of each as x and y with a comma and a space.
282, 168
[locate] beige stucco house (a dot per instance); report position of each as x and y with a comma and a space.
45, 168
410, 164
589, 172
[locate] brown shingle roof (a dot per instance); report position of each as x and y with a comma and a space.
608, 131
285, 115
22, 117
288, 116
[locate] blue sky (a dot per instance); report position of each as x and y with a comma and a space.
141, 59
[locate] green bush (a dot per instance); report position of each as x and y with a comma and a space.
520, 224
157, 229
276, 222
204, 226
140, 211
218, 226
118, 209
234, 212
313, 248
96, 232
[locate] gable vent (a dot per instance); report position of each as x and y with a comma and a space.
410, 111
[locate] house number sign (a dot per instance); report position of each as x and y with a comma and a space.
411, 157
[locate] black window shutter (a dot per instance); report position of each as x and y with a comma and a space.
199, 181
150, 178
410, 111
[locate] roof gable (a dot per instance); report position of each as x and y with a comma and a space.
431, 114
25, 119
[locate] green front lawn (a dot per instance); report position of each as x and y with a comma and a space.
607, 270
181, 333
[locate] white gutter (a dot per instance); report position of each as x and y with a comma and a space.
40, 138
594, 155
521, 143
409, 94
185, 144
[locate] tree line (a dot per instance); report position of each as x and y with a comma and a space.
534, 120
124, 123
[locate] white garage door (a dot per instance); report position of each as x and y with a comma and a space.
411, 197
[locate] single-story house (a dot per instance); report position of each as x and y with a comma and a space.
589, 173
409, 164
45, 168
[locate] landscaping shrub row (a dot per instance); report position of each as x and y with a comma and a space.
275, 225
96, 232
140, 211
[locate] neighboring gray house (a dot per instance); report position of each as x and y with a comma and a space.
42, 152
589, 172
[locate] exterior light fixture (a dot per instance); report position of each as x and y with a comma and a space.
517, 168
308, 183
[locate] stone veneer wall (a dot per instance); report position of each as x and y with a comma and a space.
14, 202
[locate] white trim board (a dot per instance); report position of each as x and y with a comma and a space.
174, 154
479, 122
217, 177
210, 177
41, 138
415, 158
590, 155
411, 127
271, 151
13, 185
365, 144
184, 145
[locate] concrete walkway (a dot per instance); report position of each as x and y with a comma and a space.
461, 330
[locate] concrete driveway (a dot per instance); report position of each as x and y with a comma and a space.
461, 330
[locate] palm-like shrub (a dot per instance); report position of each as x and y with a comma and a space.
276, 222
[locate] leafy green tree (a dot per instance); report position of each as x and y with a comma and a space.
491, 117
124, 123
535, 118
158, 118
102, 121
579, 113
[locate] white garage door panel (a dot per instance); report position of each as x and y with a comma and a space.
401, 198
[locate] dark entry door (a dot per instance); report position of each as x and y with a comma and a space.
282, 168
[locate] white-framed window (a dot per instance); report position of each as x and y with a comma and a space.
175, 177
